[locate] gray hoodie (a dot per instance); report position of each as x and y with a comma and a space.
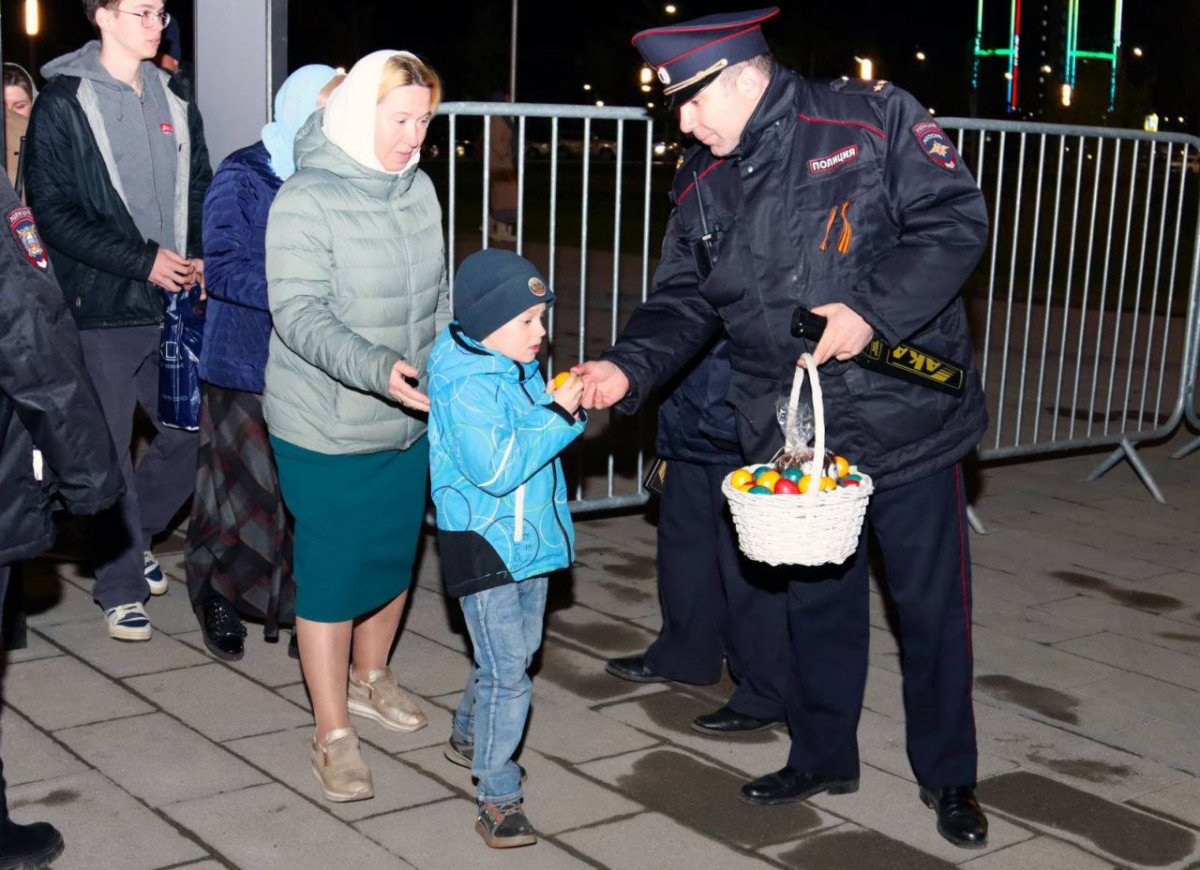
142, 138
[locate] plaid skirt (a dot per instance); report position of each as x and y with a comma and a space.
239, 535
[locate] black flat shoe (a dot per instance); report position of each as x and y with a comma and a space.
634, 669
26, 847
960, 819
788, 786
222, 629
728, 722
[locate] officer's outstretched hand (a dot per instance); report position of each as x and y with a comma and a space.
604, 384
846, 333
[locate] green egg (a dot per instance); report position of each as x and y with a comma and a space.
760, 490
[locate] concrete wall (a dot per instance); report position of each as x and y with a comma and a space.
241, 59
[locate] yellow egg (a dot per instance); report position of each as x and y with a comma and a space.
843, 466
561, 378
767, 479
745, 486
741, 476
828, 484
803, 483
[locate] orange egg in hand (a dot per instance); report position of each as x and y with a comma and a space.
561, 378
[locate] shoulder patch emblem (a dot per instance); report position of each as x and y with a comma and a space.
841, 157
25, 231
935, 144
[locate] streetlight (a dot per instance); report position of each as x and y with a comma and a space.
865, 68
587, 87
600, 103
646, 75
670, 9
1137, 51
1066, 95
921, 56
32, 26
1046, 70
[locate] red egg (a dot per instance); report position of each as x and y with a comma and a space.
783, 486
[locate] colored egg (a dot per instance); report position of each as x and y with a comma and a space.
843, 466
744, 487
793, 474
761, 469
802, 484
759, 490
740, 477
850, 480
828, 484
767, 479
783, 486
561, 378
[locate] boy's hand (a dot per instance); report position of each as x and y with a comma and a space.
404, 392
569, 395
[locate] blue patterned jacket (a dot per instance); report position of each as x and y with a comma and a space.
494, 439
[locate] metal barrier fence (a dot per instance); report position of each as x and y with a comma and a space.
1088, 287
1084, 308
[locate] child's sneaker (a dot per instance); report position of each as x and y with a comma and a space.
459, 752
504, 826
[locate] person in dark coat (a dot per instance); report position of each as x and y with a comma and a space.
717, 606
845, 198
241, 560
116, 173
54, 449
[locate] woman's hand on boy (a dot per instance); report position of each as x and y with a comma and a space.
400, 387
569, 395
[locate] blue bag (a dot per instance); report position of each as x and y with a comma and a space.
179, 359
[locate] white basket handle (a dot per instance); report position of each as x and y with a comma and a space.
814, 482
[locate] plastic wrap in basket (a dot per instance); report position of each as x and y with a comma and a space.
815, 528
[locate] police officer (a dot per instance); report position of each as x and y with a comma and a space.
848, 199
716, 604
54, 447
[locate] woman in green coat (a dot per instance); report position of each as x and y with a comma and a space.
356, 275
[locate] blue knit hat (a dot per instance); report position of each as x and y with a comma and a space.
492, 287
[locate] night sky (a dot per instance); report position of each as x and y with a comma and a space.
468, 43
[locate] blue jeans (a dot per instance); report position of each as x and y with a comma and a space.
506, 630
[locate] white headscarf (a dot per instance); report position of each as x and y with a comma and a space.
350, 116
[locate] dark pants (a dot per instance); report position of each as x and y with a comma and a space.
921, 529
716, 604
123, 364
5, 572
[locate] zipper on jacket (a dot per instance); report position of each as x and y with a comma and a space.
554, 471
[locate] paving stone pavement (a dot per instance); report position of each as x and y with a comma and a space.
1087, 642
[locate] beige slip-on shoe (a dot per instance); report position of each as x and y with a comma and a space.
378, 697
339, 768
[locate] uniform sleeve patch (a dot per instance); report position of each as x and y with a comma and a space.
25, 231
935, 144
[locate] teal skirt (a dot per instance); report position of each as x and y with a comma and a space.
358, 520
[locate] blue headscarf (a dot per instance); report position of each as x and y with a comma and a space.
296, 100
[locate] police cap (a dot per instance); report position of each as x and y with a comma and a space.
689, 55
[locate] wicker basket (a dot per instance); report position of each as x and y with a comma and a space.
816, 528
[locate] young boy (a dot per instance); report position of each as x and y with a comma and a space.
495, 432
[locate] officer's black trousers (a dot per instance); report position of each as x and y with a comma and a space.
715, 603
922, 531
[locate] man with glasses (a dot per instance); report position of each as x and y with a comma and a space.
117, 174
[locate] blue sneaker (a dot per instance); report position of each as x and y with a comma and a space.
128, 622
152, 571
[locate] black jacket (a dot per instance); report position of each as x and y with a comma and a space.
838, 192
102, 261
46, 398
695, 423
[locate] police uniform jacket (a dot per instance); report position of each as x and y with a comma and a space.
837, 192
46, 398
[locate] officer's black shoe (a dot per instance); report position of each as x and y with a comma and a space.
222, 628
634, 669
28, 847
789, 786
960, 819
728, 722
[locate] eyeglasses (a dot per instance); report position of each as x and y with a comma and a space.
149, 17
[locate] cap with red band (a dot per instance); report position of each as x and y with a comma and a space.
689, 55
